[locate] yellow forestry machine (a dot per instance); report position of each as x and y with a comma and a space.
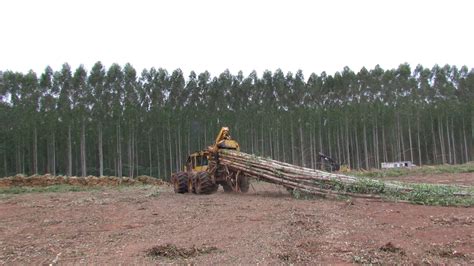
204, 173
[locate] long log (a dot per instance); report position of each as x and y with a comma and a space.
313, 181
293, 184
290, 172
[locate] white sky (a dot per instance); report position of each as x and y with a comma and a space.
246, 35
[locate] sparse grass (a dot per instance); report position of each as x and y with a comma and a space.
53, 188
423, 170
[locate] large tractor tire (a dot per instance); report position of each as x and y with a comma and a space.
226, 187
203, 184
244, 183
192, 182
180, 182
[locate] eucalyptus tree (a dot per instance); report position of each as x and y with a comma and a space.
62, 82
48, 102
30, 96
82, 96
175, 104
131, 107
465, 94
192, 111
100, 104
12, 83
158, 86
114, 85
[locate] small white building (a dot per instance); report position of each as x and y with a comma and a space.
401, 164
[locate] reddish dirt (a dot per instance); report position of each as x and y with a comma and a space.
266, 226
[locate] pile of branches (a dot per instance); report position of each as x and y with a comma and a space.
50, 180
316, 182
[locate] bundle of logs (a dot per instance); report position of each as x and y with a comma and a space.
300, 178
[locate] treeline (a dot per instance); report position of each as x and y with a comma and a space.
117, 122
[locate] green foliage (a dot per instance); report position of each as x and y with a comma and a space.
425, 194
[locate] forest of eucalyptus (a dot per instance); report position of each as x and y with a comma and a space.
117, 122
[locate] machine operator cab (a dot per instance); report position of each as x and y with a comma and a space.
197, 162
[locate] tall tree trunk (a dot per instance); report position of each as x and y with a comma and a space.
329, 141
179, 159
83, 149
176, 152
357, 149
315, 147
69, 151
167, 175
311, 146
277, 141
135, 151
48, 155
454, 141
303, 161
348, 156
402, 141
169, 147
441, 140
130, 153
270, 142
293, 153
35, 151
448, 138
262, 140
418, 139
252, 139
101, 152
365, 148
158, 156
410, 141
150, 165
284, 151
5, 165
119, 151
435, 150
338, 144
398, 153
384, 144
188, 138
54, 154
375, 145
321, 148
466, 153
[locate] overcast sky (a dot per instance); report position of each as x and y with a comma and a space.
246, 35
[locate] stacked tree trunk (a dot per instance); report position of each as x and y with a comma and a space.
292, 176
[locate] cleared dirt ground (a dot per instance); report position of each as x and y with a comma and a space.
266, 226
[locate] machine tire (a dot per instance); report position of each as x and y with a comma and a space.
203, 184
180, 182
244, 183
192, 183
227, 188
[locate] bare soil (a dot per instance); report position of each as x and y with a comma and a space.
151, 224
